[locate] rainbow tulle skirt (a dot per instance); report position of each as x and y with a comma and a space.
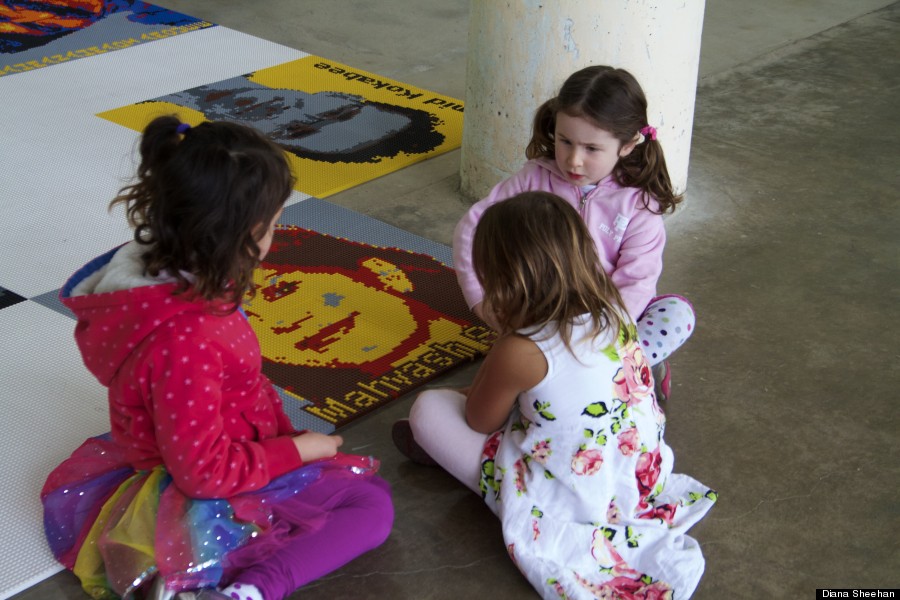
117, 528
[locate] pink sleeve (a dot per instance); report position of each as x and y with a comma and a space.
285, 427
202, 458
639, 263
465, 233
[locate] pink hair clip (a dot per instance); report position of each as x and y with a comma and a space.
649, 132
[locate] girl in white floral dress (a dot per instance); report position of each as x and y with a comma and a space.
560, 430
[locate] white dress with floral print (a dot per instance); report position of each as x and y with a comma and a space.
582, 480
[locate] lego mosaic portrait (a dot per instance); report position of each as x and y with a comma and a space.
339, 126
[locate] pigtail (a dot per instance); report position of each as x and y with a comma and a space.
201, 199
158, 144
645, 168
543, 127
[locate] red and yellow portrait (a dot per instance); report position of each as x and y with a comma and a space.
348, 326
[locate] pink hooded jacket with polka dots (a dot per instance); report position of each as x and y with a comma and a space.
186, 387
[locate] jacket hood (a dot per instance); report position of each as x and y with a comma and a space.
117, 307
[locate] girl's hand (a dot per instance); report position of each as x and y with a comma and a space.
313, 446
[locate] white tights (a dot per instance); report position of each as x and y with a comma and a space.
438, 422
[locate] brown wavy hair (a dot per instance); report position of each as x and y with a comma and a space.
200, 202
538, 265
612, 100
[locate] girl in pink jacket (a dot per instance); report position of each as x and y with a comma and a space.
592, 146
203, 488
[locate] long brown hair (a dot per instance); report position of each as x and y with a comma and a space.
200, 197
538, 265
613, 100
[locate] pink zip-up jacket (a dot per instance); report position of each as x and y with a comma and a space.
629, 238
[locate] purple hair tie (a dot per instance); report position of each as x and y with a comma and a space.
183, 128
649, 132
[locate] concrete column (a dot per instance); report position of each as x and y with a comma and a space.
521, 51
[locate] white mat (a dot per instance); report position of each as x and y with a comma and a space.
47, 413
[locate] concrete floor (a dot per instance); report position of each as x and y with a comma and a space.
785, 398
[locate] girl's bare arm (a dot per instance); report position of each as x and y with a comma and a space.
513, 365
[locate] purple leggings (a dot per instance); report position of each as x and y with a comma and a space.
358, 517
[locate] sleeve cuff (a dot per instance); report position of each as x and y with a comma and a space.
282, 454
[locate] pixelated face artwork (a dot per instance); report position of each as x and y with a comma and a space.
310, 318
322, 301
326, 126
337, 125
346, 326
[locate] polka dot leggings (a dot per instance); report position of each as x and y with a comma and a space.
666, 324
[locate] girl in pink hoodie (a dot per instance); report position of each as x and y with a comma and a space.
203, 484
592, 145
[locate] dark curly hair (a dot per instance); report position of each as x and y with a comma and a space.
613, 100
202, 199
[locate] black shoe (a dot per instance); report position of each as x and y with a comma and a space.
662, 380
403, 438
